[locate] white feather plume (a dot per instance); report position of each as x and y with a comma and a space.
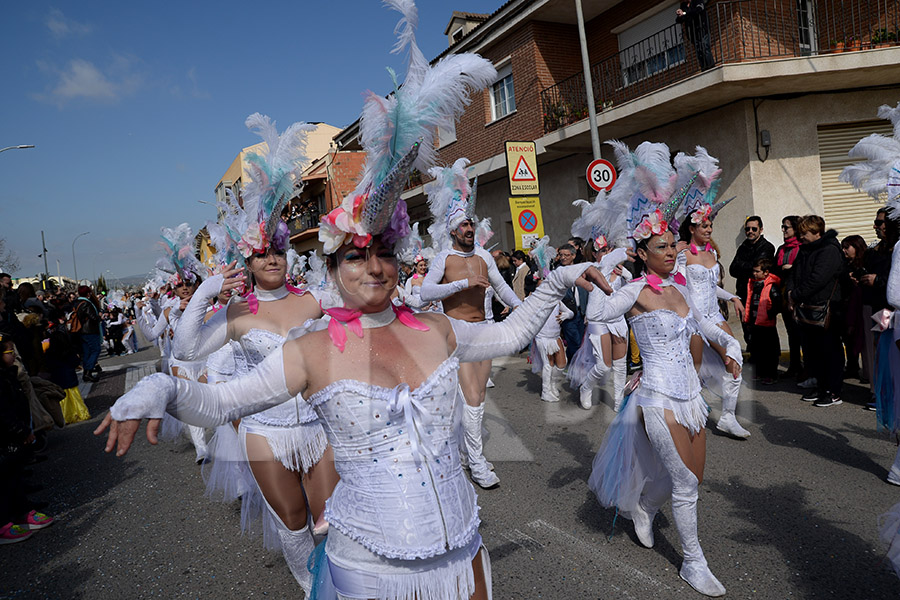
880, 173
431, 97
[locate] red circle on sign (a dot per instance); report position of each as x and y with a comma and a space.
527, 221
601, 175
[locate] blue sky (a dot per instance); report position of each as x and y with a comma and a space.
136, 109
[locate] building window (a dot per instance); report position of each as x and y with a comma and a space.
806, 22
650, 47
447, 136
503, 98
457, 35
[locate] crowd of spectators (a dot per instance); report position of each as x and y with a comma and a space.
46, 338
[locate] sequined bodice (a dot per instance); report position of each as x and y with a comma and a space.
256, 345
402, 492
702, 283
664, 338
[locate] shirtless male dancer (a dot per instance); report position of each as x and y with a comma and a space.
459, 277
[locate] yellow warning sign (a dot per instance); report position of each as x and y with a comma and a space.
526, 221
521, 161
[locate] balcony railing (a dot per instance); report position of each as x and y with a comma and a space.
302, 222
739, 31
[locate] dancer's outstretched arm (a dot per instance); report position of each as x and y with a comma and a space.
196, 338
475, 341
268, 385
505, 293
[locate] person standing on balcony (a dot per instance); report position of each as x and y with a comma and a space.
692, 14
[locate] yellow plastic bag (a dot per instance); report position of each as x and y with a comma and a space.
73, 407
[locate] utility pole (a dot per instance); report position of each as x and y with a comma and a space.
46, 268
588, 84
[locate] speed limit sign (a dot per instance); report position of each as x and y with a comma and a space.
601, 175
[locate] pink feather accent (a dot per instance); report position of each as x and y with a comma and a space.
406, 316
337, 334
252, 303
345, 316
679, 279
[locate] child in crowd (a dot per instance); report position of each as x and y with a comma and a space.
17, 518
763, 305
62, 358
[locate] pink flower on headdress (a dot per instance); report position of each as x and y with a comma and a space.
652, 224
341, 222
253, 240
600, 242
701, 214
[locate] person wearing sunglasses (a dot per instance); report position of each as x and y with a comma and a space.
755, 247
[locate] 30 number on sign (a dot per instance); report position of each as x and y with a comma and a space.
601, 175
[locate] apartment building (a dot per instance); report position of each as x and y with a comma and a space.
795, 84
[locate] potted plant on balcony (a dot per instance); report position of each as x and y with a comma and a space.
853, 43
838, 45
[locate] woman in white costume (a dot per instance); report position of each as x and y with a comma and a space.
605, 342
285, 446
548, 355
656, 447
404, 522
698, 262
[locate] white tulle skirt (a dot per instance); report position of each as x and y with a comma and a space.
585, 359
626, 461
227, 474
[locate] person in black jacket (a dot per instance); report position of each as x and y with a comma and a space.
755, 247
872, 280
87, 307
816, 282
692, 14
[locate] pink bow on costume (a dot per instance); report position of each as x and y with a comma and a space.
695, 250
655, 282
252, 303
882, 320
294, 290
345, 316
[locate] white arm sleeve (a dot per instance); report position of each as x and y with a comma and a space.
505, 294
155, 307
681, 263
612, 260
146, 320
716, 334
724, 295
196, 338
893, 284
432, 288
606, 308
159, 327
206, 405
564, 313
478, 341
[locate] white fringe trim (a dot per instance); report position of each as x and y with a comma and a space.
298, 448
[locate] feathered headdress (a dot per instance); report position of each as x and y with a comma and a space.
178, 258
880, 172
647, 185
542, 254
397, 134
414, 249
451, 200
601, 221
254, 223
698, 177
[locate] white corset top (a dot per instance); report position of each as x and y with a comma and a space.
701, 284
664, 338
256, 345
402, 492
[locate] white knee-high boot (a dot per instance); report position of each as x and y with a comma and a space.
728, 422
894, 473
694, 569
478, 465
619, 370
198, 437
549, 392
296, 547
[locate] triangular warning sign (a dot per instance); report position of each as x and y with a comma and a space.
523, 172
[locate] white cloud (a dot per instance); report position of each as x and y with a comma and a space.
61, 26
82, 79
196, 92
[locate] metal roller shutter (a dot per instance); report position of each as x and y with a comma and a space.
846, 210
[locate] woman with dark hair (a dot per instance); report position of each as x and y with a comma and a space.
785, 257
854, 247
815, 294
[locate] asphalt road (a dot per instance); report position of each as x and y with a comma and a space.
789, 513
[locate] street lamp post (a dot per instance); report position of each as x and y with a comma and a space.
74, 264
19, 147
